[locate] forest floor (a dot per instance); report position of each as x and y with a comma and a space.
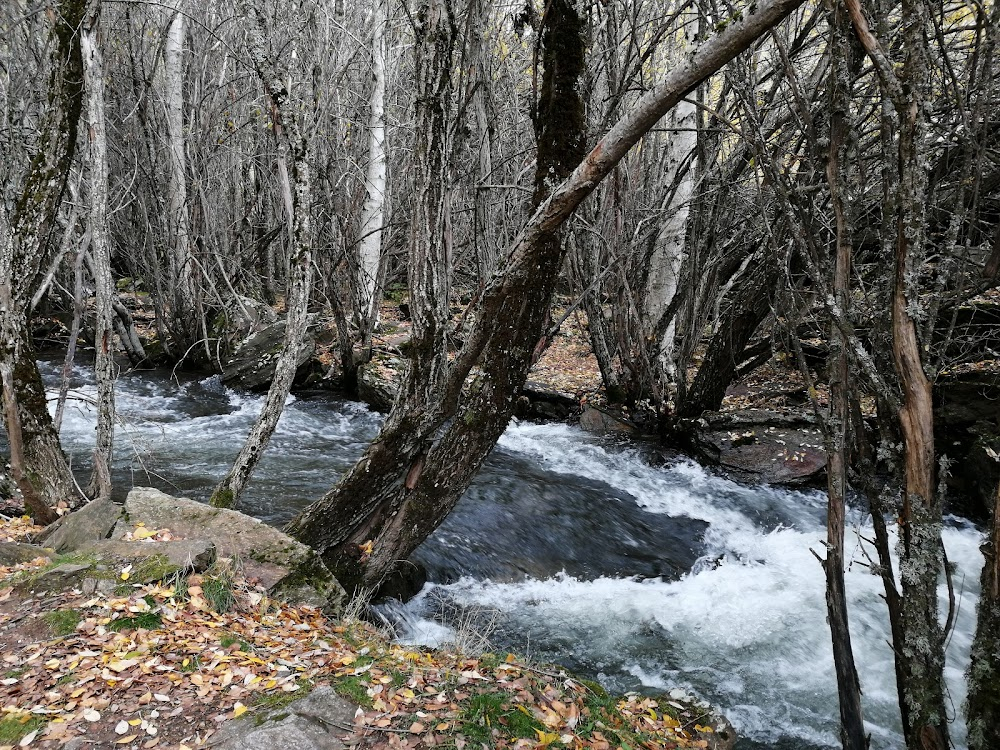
569, 366
165, 665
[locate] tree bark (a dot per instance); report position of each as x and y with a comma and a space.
180, 263
839, 166
43, 475
370, 239
361, 527
294, 148
97, 162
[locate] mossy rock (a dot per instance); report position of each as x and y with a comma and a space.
285, 568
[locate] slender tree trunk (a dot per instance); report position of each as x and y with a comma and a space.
669, 244
361, 527
982, 709
97, 162
842, 151
372, 212
294, 148
180, 282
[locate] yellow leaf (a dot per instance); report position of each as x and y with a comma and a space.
546, 738
238, 710
700, 728
126, 740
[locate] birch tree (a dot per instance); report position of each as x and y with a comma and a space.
97, 162
373, 209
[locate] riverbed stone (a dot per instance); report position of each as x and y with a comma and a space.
92, 522
285, 568
154, 561
603, 422
757, 445
252, 365
316, 722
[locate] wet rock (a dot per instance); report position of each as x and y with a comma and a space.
251, 367
285, 568
14, 553
603, 422
541, 402
60, 578
762, 446
154, 561
320, 721
244, 318
92, 522
378, 384
716, 730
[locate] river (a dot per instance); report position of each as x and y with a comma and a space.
641, 571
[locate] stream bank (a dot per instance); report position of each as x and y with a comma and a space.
738, 618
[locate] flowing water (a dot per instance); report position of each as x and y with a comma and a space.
640, 571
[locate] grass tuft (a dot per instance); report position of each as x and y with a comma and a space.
62, 621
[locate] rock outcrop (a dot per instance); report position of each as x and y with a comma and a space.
319, 721
101, 537
251, 367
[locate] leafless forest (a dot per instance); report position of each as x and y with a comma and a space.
710, 185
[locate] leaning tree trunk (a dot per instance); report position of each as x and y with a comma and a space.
38, 463
750, 305
97, 162
414, 472
294, 148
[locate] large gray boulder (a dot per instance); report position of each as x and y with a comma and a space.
286, 568
92, 522
316, 722
252, 365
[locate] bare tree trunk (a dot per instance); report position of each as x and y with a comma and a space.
43, 475
410, 476
294, 148
842, 151
669, 244
180, 284
919, 642
372, 212
97, 161
983, 707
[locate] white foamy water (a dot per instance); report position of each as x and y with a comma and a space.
745, 628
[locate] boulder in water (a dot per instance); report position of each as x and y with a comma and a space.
762, 446
603, 422
252, 365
